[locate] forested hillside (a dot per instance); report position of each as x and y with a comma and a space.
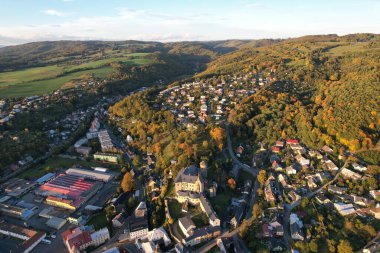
38, 54
326, 90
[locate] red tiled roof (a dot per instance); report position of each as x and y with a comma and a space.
76, 238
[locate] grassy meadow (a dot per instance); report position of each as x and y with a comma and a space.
44, 80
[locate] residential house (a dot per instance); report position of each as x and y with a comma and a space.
78, 239
375, 211
322, 199
276, 228
326, 149
269, 196
296, 226
336, 189
361, 201
302, 160
375, 194
350, 174
344, 209
293, 196
158, 235
359, 167
202, 234
276, 149
280, 144
118, 220
290, 170
138, 222
331, 166
239, 150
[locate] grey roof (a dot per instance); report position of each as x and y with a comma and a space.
202, 231
193, 195
98, 175
334, 188
187, 222
209, 211
189, 174
136, 224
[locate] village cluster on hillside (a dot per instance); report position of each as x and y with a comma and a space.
211, 100
269, 195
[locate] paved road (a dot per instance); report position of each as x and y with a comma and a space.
243, 166
207, 247
373, 240
253, 200
289, 207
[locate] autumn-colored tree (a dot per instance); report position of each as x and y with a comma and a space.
232, 184
218, 135
344, 247
243, 230
156, 148
261, 177
256, 211
163, 191
331, 245
127, 184
260, 192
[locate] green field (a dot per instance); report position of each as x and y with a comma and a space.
44, 80
53, 164
27, 75
352, 48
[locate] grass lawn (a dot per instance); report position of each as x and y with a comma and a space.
27, 75
175, 208
221, 202
200, 219
98, 220
56, 163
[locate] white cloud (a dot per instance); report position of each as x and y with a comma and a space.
53, 12
147, 24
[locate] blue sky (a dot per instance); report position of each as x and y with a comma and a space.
168, 20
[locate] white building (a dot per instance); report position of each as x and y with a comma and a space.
206, 208
350, 174
344, 209
359, 167
331, 166
158, 234
99, 237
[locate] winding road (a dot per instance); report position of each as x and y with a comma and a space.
208, 246
289, 207
243, 166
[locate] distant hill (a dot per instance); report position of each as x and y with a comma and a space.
41, 67
55, 52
